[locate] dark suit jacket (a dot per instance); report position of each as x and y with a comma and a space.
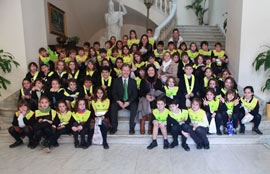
118, 90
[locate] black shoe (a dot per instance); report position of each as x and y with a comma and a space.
257, 131
206, 147
113, 131
56, 144
76, 145
45, 143
30, 144
106, 146
83, 146
131, 131
186, 147
17, 143
166, 144
34, 145
152, 145
199, 146
88, 144
219, 132
173, 144
242, 130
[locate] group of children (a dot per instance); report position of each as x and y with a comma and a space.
69, 92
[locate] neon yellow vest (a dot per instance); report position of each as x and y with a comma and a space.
192, 55
64, 119
109, 81
38, 113
230, 106
171, 92
219, 54
128, 59
28, 115
138, 81
100, 107
179, 117
213, 105
45, 60
134, 41
250, 105
81, 117
81, 59
205, 53
196, 116
157, 54
161, 117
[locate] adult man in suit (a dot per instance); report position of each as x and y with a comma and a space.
125, 94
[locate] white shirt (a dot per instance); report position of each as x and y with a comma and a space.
123, 79
180, 40
20, 121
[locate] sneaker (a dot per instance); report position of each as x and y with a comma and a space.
173, 144
106, 146
152, 145
186, 147
17, 143
257, 130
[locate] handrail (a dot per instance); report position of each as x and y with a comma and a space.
167, 22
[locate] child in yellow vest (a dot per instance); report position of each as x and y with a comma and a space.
199, 124
160, 120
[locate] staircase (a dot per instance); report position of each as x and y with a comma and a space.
198, 33
7, 109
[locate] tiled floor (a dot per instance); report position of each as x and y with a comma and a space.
129, 159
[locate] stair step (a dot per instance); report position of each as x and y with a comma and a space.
187, 34
125, 138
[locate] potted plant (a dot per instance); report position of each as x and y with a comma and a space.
263, 59
6, 61
199, 10
73, 40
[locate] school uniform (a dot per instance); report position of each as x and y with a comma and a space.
214, 106
173, 121
219, 64
172, 93
83, 119
230, 112
72, 95
187, 86
159, 55
98, 109
46, 60
22, 126
181, 67
93, 74
55, 96
199, 135
64, 120
63, 76
35, 96
205, 53
34, 77
48, 78
44, 128
253, 106
26, 92
116, 71
108, 83
192, 55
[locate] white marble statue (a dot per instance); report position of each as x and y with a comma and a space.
114, 20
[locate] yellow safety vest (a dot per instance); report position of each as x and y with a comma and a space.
113, 59
134, 41
171, 92
230, 106
250, 105
66, 60
151, 41
197, 66
189, 88
109, 52
205, 53
139, 65
100, 59
85, 90
45, 60
81, 117
118, 70
128, 59
181, 116
109, 81
205, 82
157, 54
161, 117
138, 81
172, 51
213, 105
81, 59
196, 116
90, 73
52, 112
34, 77
22, 92
75, 76
28, 115
64, 119
219, 54
192, 55
100, 107
61, 74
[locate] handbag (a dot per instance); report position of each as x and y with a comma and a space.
97, 137
212, 126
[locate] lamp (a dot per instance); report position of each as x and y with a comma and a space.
148, 4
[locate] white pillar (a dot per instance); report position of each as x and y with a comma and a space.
248, 29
